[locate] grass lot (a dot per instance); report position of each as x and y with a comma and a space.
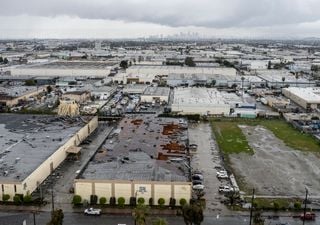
231, 139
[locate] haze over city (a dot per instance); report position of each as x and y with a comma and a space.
142, 18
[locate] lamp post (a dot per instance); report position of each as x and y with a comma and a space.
305, 206
251, 208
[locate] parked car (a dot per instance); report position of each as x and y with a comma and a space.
92, 211
223, 176
196, 182
197, 177
198, 187
308, 216
225, 189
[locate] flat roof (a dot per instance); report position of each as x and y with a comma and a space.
16, 90
26, 141
140, 149
308, 94
157, 91
198, 96
70, 65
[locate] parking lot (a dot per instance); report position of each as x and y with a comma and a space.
207, 160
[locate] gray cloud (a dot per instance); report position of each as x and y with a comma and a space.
175, 13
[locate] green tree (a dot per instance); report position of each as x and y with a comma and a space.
56, 217
49, 89
140, 213
1, 59
30, 82
192, 214
141, 201
159, 221
5, 61
182, 201
76, 199
213, 82
269, 65
161, 201
121, 201
102, 200
5, 197
124, 64
257, 219
189, 62
297, 205
27, 198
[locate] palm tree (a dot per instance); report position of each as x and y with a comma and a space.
160, 221
140, 214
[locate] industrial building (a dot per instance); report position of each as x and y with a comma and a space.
12, 95
32, 147
203, 101
156, 94
308, 98
145, 157
65, 68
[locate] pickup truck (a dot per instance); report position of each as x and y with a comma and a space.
92, 211
308, 216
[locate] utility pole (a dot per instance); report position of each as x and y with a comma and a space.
251, 208
52, 200
34, 217
305, 206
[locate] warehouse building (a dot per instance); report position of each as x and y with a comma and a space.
144, 158
65, 69
12, 95
203, 101
32, 147
156, 94
308, 98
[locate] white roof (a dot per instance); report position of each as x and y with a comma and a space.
309, 94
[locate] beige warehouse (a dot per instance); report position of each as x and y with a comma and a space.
29, 171
127, 189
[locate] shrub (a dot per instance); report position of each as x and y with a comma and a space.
5, 197
297, 205
141, 201
276, 206
17, 199
112, 201
102, 201
76, 199
27, 199
133, 201
121, 201
172, 202
182, 202
161, 201
93, 199
151, 201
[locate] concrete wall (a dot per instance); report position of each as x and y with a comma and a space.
144, 189
184, 109
29, 184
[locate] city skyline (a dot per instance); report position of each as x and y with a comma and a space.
140, 18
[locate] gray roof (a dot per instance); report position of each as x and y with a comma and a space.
26, 141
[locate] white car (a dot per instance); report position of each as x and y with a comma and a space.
198, 187
92, 211
223, 176
225, 189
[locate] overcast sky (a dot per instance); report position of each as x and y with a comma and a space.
138, 18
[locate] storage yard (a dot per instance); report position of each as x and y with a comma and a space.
271, 167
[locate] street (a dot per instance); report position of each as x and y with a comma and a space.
80, 219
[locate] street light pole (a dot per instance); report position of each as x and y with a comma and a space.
305, 207
52, 200
251, 208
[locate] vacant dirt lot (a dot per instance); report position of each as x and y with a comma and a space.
276, 169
